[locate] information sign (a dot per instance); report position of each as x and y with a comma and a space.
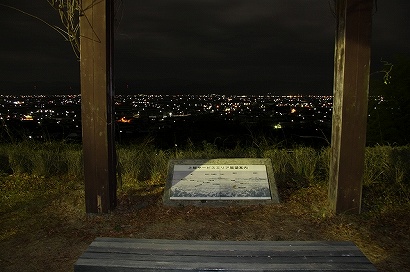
220, 181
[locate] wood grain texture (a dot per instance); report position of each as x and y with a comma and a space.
122, 254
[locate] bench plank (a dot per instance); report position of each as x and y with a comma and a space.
123, 254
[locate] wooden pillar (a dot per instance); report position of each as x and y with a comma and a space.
351, 87
97, 112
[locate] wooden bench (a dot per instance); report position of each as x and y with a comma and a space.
123, 254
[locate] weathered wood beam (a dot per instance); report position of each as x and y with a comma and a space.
97, 112
351, 86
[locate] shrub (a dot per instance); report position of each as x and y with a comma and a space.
386, 176
43, 159
280, 164
74, 161
141, 162
304, 161
20, 158
4, 159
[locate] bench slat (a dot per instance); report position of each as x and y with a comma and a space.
158, 242
129, 265
236, 253
123, 254
225, 259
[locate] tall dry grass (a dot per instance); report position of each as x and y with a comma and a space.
386, 177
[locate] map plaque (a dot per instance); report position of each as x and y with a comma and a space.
220, 182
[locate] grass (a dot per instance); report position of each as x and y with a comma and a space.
45, 228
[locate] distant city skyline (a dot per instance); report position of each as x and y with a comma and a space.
173, 119
203, 46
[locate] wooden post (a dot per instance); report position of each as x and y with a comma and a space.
351, 86
97, 105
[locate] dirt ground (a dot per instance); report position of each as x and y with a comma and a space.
51, 236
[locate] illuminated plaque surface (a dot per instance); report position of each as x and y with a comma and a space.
219, 181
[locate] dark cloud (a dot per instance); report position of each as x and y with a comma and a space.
238, 44
391, 34
31, 51
201, 45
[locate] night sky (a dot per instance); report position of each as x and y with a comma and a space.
197, 46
